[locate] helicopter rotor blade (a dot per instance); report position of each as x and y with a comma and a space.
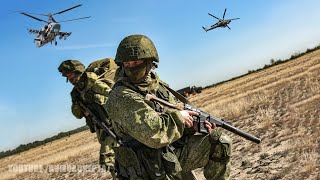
224, 13
67, 9
33, 17
214, 16
75, 19
31, 13
234, 19
228, 27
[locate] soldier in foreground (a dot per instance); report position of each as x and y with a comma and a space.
159, 142
91, 91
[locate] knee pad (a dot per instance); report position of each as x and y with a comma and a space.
221, 147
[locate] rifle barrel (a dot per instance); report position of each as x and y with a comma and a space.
241, 133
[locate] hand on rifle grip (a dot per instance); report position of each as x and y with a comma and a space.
187, 116
209, 126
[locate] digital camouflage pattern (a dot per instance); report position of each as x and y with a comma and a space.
159, 145
136, 47
159, 130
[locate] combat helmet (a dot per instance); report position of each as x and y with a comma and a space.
71, 66
136, 47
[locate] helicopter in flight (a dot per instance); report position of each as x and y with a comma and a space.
221, 23
51, 29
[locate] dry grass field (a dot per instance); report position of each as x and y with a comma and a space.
280, 104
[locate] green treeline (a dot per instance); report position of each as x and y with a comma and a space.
25, 147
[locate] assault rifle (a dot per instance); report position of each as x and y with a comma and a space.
102, 124
203, 116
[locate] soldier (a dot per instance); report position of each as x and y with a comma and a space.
159, 142
93, 93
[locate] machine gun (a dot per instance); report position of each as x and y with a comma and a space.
89, 113
203, 116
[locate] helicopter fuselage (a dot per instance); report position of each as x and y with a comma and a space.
55, 27
51, 30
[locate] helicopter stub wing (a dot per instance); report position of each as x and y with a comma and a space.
33, 31
65, 34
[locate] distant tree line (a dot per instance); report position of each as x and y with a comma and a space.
25, 147
273, 62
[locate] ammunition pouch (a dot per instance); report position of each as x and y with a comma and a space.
147, 163
127, 163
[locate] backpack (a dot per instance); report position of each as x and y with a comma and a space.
105, 69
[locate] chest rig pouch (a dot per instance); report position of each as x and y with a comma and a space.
136, 161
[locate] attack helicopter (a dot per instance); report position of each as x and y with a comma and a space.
51, 29
221, 23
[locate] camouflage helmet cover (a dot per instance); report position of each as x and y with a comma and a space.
136, 47
71, 66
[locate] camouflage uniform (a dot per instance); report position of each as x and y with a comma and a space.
157, 144
93, 93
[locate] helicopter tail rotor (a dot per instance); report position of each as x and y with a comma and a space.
204, 29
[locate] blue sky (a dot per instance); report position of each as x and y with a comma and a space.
34, 98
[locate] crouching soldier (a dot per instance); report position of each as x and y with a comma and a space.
159, 142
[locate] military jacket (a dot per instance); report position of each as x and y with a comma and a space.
134, 117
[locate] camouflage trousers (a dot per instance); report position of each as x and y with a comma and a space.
212, 152
106, 153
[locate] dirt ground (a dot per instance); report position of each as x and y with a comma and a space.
281, 105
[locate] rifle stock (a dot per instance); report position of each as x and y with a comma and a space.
100, 123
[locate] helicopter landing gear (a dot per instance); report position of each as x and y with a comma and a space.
55, 43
